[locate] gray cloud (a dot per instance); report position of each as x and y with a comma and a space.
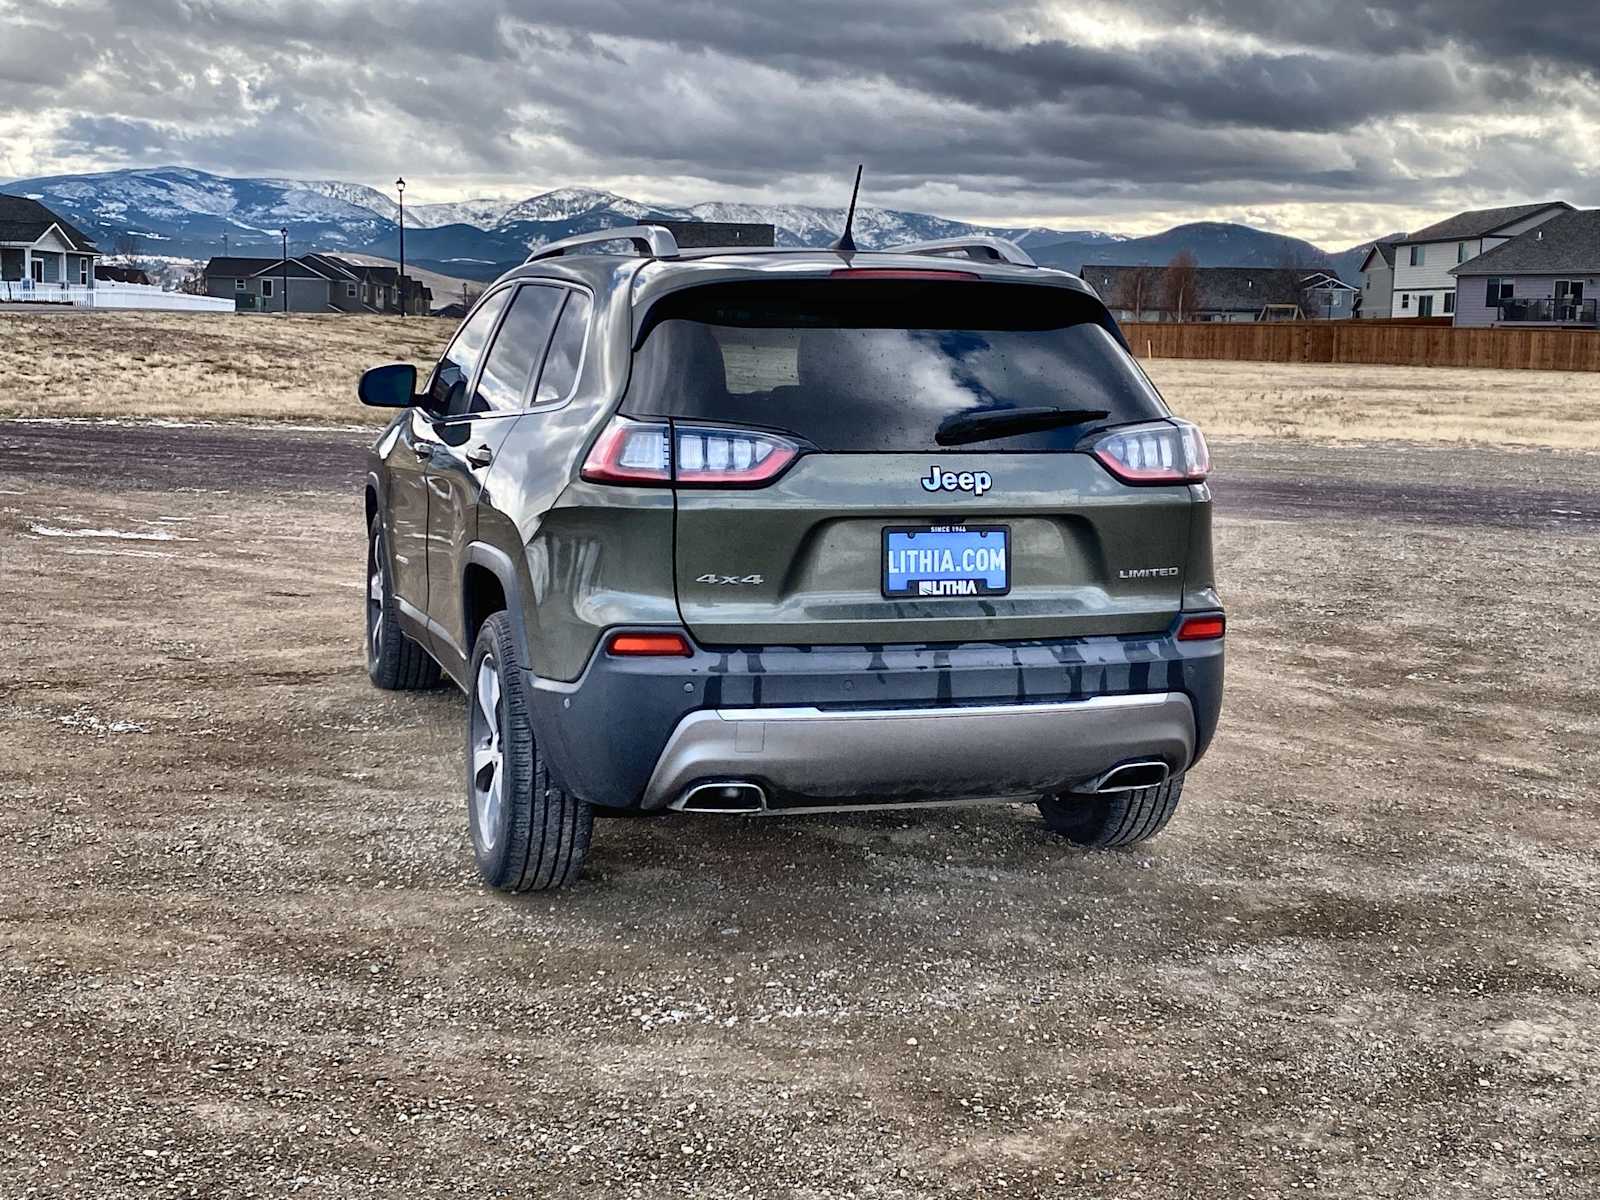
998, 110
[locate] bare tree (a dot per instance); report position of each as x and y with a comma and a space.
193, 282
1137, 290
127, 250
1180, 285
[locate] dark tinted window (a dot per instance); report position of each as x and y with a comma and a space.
566, 350
518, 349
447, 391
878, 366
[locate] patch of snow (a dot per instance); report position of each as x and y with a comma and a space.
136, 535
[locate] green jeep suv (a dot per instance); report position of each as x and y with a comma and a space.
768, 531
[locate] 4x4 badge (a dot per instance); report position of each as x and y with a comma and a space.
976, 482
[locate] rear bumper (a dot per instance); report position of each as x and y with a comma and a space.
813, 725
811, 757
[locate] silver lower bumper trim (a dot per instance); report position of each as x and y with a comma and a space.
814, 759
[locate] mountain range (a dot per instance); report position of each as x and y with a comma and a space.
177, 212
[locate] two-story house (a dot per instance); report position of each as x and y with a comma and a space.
1424, 260
1549, 276
1377, 281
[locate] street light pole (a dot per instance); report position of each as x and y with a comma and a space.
401, 282
284, 233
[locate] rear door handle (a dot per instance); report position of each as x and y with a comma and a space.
480, 456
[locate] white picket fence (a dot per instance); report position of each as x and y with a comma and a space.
107, 294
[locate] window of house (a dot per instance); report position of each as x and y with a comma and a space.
238, 285
1461, 252
1405, 299
1449, 302
566, 351
83, 270
266, 289
350, 291
1425, 305
518, 350
1417, 255
1498, 291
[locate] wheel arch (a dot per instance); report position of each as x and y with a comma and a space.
490, 582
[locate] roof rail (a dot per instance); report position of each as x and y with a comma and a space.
651, 241
988, 249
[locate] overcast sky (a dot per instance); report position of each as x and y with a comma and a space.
1331, 120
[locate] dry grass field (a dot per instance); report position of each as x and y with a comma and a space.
202, 367
1334, 402
303, 369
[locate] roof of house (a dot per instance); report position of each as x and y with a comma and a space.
25, 220
1566, 243
1480, 221
1385, 250
224, 267
328, 265
1220, 289
294, 268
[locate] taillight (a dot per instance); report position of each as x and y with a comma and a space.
1202, 628
1160, 452
654, 453
649, 645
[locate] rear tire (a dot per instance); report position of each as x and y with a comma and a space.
528, 832
394, 661
1112, 819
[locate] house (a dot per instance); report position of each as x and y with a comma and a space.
1326, 297
315, 283
42, 256
1424, 285
1377, 281
1547, 276
1143, 293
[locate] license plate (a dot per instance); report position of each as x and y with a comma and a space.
946, 560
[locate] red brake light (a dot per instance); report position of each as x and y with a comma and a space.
653, 453
1159, 452
630, 452
909, 274
649, 645
1200, 629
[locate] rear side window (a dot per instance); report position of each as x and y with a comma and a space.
518, 349
566, 350
854, 365
447, 389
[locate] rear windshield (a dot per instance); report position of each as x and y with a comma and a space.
853, 365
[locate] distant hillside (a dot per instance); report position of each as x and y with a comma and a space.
187, 214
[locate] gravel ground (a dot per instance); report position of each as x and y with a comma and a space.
243, 951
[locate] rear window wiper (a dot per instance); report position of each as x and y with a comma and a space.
962, 428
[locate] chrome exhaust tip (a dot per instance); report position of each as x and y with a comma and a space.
731, 797
1129, 777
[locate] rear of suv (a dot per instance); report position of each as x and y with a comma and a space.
794, 531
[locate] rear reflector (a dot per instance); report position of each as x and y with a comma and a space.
649, 645
1159, 452
901, 273
645, 453
1201, 629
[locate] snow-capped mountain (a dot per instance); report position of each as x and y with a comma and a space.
183, 212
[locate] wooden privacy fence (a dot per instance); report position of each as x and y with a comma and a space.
1390, 343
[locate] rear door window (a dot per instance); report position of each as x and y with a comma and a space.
518, 350
878, 366
566, 350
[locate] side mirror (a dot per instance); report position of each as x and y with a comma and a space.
393, 385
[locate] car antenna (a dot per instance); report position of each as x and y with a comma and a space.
846, 245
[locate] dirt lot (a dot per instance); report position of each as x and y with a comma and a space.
243, 951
